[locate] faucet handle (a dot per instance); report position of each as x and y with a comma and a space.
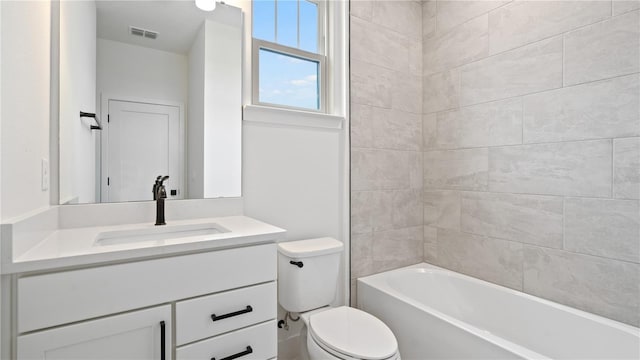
162, 179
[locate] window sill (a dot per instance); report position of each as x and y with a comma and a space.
287, 117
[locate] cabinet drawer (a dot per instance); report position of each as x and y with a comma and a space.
260, 338
233, 309
64, 297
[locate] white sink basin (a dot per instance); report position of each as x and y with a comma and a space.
156, 233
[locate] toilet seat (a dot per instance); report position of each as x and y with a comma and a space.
349, 333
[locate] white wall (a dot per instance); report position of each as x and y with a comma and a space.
77, 93
2, 330
195, 122
293, 178
135, 71
223, 110
25, 99
214, 132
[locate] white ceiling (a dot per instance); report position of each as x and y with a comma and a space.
177, 22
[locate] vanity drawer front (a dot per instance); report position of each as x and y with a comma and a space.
262, 340
233, 309
64, 297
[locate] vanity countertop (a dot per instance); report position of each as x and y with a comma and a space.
65, 248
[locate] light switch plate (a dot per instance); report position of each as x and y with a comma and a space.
45, 174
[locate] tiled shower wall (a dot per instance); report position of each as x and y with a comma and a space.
386, 136
530, 139
532, 154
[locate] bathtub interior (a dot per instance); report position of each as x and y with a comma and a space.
493, 311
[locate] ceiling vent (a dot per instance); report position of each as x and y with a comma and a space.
135, 31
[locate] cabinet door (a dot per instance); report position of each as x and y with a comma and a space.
144, 334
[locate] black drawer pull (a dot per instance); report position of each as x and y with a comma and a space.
235, 356
162, 341
296, 263
248, 309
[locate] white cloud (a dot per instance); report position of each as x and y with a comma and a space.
307, 80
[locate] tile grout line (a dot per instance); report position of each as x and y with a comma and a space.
442, 189
564, 216
526, 94
612, 167
523, 144
540, 246
608, 18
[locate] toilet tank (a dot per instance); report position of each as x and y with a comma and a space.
308, 273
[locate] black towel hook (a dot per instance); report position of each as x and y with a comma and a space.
98, 126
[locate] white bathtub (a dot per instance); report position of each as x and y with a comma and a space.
440, 314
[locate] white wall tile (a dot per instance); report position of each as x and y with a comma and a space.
382, 210
606, 49
376, 169
465, 43
363, 169
407, 208
489, 124
626, 168
465, 169
442, 209
606, 287
395, 129
428, 18
493, 260
623, 6
361, 255
379, 46
393, 169
361, 125
441, 91
361, 9
530, 219
570, 168
370, 84
416, 177
524, 22
406, 92
603, 227
361, 212
396, 248
415, 57
429, 131
533, 68
404, 17
604, 109
452, 13
430, 244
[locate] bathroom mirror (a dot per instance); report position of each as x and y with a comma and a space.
148, 88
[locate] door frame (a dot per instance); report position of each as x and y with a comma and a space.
104, 137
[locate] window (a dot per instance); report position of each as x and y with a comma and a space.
289, 54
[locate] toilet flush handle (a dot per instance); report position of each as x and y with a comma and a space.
296, 263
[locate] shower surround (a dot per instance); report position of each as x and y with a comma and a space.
528, 145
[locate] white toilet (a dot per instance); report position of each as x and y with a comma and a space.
307, 282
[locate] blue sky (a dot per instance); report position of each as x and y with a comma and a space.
284, 79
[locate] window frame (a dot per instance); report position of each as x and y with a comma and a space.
320, 58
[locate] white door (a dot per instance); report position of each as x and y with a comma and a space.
143, 141
136, 335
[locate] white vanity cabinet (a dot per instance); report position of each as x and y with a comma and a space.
217, 304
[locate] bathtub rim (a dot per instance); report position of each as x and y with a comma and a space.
378, 282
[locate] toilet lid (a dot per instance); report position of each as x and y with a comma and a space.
354, 333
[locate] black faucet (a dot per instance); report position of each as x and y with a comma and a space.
159, 194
